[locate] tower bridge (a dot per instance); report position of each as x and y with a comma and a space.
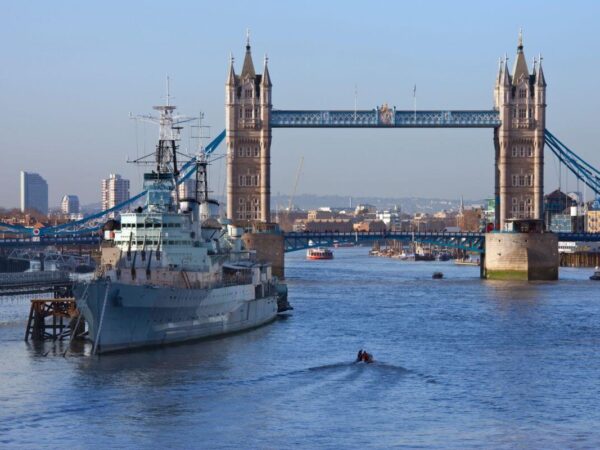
518, 121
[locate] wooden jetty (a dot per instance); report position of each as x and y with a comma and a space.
65, 320
580, 259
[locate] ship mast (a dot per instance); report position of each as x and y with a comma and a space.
169, 133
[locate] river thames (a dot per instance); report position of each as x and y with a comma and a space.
460, 362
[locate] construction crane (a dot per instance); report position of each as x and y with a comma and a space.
295, 185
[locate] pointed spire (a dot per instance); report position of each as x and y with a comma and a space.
248, 67
505, 75
540, 81
499, 76
266, 78
231, 75
520, 69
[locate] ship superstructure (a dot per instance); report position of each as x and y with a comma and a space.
172, 270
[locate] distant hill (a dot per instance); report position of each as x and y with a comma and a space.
407, 204
91, 208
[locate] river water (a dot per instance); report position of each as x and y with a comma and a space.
460, 363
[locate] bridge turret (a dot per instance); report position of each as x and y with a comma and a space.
519, 142
497, 85
265, 138
248, 109
231, 96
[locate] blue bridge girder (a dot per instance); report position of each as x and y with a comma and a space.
579, 237
294, 241
473, 242
378, 118
43, 241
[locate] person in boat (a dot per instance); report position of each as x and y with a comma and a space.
364, 356
359, 356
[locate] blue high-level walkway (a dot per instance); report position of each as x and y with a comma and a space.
388, 118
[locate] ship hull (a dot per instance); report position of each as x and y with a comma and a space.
139, 316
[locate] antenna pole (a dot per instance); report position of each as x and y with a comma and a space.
355, 100
168, 92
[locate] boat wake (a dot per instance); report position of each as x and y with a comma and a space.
375, 365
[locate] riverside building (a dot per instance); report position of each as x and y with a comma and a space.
114, 191
69, 204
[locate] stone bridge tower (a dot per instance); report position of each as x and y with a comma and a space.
247, 118
519, 141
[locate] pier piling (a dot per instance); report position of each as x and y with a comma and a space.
62, 312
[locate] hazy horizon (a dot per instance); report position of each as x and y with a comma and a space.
74, 71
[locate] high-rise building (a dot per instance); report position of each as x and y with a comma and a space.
70, 204
34, 192
114, 191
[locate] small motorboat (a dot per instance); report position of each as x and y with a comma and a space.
596, 276
364, 356
437, 275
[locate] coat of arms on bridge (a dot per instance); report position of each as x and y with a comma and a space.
386, 114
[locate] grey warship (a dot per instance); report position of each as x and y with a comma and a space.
172, 270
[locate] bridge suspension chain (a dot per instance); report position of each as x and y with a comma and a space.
580, 168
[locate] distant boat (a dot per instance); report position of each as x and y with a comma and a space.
467, 261
437, 275
343, 244
319, 253
596, 276
424, 257
443, 257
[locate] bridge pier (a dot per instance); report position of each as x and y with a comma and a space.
269, 248
520, 256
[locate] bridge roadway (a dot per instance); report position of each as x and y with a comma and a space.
470, 241
294, 241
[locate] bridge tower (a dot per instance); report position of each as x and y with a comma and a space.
520, 99
247, 118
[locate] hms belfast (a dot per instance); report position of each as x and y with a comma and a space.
172, 270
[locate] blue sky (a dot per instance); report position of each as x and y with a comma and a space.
72, 72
